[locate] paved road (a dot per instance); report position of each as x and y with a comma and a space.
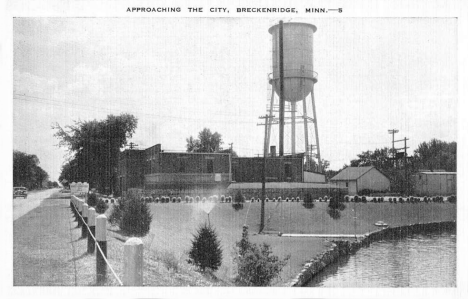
21, 205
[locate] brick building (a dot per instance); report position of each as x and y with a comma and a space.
168, 173
278, 169
185, 171
131, 164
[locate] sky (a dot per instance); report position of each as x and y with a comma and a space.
180, 75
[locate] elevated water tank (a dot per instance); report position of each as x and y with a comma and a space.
299, 75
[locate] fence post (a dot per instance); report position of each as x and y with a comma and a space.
84, 229
101, 266
92, 228
73, 205
80, 212
133, 262
75, 209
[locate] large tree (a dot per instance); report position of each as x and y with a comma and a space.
207, 142
27, 172
94, 148
379, 158
436, 154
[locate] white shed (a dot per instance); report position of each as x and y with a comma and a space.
360, 178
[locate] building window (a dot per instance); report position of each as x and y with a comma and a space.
346, 184
287, 170
182, 165
209, 166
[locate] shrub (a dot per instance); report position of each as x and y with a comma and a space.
92, 199
336, 204
256, 265
169, 260
356, 198
308, 201
334, 213
206, 249
136, 217
452, 199
237, 206
101, 207
116, 213
239, 198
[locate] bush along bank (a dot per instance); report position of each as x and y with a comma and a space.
341, 248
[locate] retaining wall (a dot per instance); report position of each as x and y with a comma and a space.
342, 248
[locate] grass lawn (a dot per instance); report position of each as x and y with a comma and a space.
174, 224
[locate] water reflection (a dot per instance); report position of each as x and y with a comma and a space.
416, 261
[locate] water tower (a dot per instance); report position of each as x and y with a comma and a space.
292, 61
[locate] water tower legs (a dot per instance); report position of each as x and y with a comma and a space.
293, 128
270, 118
316, 129
306, 131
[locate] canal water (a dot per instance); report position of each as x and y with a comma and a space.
415, 261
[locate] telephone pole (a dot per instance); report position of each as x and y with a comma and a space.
405, 165
265, 153
393, 131
132, 145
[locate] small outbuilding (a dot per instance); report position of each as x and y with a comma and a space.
359, 178
430, 183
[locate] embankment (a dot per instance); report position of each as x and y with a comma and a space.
341, 248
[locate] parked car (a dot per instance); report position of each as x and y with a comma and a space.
20, 192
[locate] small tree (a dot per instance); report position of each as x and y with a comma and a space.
136, 217
116, 213
206, 249
101, 206
335, 204
256, 266
92, 199
239, 200
308, 201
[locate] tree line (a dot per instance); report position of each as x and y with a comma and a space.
94, 148
27, 172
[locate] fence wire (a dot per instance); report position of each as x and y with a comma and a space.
97, 245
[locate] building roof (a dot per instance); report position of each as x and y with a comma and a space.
351, 173
281, 185
436, 172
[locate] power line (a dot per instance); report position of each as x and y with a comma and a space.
94, 108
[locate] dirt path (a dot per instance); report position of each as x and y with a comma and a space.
43, 246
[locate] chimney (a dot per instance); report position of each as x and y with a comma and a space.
272, 151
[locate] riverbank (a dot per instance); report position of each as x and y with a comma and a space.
342, 248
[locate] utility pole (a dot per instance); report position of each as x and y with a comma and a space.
132, 145
393, 131
265, 153
281, 98
406, 170
405, 165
